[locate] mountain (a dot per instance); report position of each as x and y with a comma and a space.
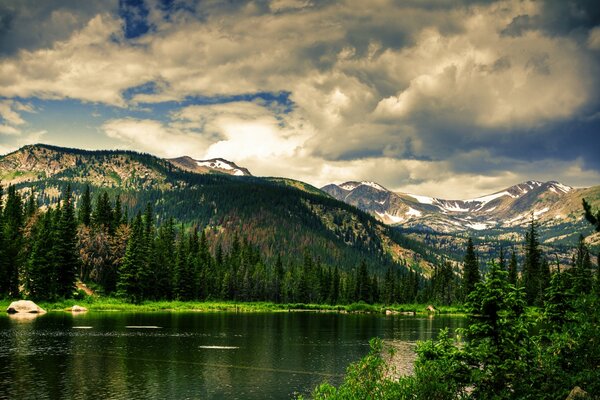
214, 165
556, 207
280, 216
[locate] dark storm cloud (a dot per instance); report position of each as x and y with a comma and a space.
31, 24
558, 17
415, 91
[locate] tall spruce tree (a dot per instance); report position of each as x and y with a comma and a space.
66, 253
471, 274
102, 215
532, 266
84, 212
3, 260
592, 218
40, 268
128, 283
513, 268
582, 278
13, 219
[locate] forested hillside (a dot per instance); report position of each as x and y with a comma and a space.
282, 220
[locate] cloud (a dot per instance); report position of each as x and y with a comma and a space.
153, 137
594, 38
402, 91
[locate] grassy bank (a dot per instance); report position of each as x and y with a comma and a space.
114, 304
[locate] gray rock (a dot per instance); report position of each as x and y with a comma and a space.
24, 306
578, 393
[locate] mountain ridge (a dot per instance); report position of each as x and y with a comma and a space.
551, 203
283, 216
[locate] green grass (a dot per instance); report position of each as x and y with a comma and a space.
114, 304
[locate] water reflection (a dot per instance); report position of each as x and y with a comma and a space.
194, 355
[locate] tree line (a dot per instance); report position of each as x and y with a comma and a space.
45, 250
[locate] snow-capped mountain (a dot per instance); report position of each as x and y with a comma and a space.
551, 203
219, 165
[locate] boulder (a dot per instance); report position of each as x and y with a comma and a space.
77, 308
431, 308
578, 393
24, 306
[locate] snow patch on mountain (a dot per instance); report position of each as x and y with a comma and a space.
488, 198
349, 185
423, 199
218, 163
374, 185
412, 212
454, 206
389, 218
478, 226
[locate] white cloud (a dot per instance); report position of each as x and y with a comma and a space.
9, 130
154, 137
594, 38
370, 86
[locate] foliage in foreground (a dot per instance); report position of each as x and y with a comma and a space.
499, 357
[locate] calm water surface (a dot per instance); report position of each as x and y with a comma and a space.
110, 355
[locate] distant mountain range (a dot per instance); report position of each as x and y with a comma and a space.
281, 216
553, 205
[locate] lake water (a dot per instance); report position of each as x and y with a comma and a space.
114, 355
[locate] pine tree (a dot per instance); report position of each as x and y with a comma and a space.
66, 253
102, 215
118, 213
4, 268
84, 212
32, 206
41, 266
582, 279
165, 256
471, 275
128, 283
501, 259
512, 269
532, 266
278, 284
363, 285
13, 219
589, 215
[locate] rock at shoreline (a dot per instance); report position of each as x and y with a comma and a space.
77, 308
24, 306
431, 308
578, 393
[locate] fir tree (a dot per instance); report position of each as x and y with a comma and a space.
84, 211
582, 279
363, 284
66, 253
592, 218
13, 242
532, 267
118, 213
41, 266
102, 215
128, 283
471, 275
512, 269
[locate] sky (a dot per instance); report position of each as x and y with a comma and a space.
452, 99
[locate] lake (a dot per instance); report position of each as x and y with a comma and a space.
186, 355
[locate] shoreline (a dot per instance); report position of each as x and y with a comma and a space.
117, 305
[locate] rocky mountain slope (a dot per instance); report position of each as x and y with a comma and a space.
555, 206
282, 217
214, 165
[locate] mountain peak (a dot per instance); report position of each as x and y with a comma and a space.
219, 165
351, 185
